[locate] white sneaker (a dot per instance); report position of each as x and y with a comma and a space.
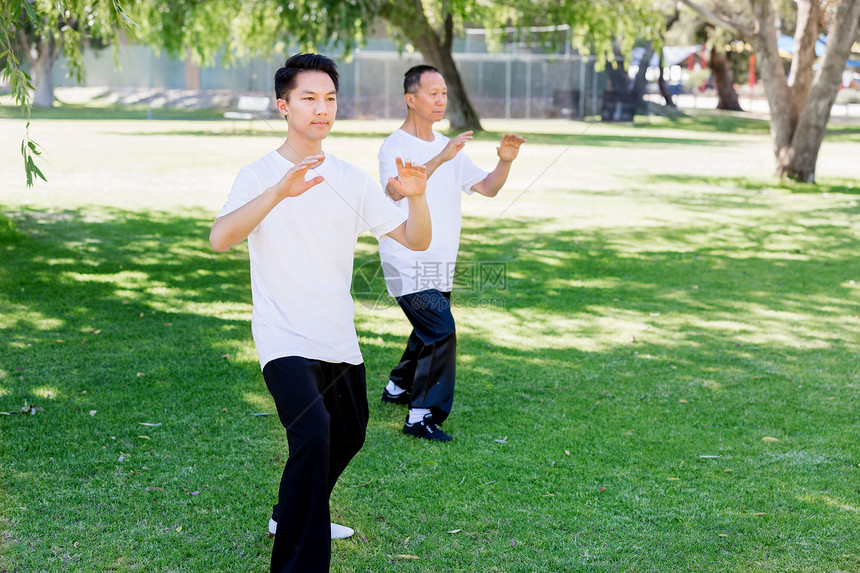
341, 531
337, 531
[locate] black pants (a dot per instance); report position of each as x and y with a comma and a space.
428, 366
323, 406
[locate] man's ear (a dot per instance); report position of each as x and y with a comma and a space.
282, 107
410, 100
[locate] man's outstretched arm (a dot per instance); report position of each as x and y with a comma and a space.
450, 152
234, 227
507, 151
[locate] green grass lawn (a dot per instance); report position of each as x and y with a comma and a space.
659, 360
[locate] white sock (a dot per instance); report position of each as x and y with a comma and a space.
417, 414
394, 389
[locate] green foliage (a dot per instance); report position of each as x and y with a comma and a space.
29, 150
70, 23
236, 30
601, 28
259, 28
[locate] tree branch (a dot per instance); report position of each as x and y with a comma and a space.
800, 74
718, 20
783, 113
448, 37
24, 42
671, 19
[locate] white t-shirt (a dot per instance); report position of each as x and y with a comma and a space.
302, 254
408, 271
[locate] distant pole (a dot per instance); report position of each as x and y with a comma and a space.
545, 79
357, 70
508, 87
581, 90
149, 82
528, 89
387, 87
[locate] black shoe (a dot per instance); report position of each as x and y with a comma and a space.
426, 429
402, 398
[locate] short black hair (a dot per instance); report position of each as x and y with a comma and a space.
285, 78
412, 77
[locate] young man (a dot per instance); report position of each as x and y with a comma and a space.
302, 232
422, 282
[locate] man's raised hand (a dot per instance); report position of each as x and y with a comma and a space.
510, 146
454, 146
411, 178
293, 183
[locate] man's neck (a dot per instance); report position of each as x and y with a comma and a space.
418, 127
296, 149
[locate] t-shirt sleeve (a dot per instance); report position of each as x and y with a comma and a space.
468, 173
246, 188
379, 214
387, 164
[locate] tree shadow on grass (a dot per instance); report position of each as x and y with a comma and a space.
719, 121
846, 186
606, 367
710, 120
586, 139
596, 338
725, 302
583, 138
113, 319
76, 112
579, 139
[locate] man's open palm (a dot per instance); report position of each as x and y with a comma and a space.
411, 178
293, 183
510, 146
455, 145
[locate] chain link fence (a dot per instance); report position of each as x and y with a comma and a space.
499, 85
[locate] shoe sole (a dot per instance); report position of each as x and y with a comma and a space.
448, 439
395, 399
342, 535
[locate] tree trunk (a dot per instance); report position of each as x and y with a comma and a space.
798, 161
782, 113
460, 112
616, 73
43, 80
661, 79
436, 49
640, 81
724, 79
800, 105
805, 36
664, 88
41, 58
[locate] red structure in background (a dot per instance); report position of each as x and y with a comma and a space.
752, 73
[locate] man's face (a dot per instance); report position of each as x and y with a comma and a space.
430, 99
311, 106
